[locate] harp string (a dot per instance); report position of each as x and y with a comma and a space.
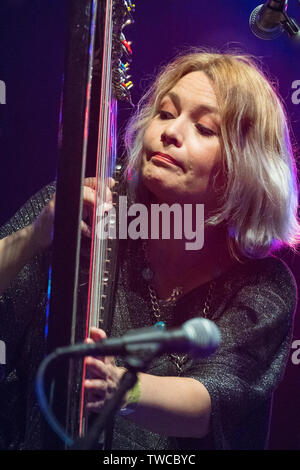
102, 174
104, 167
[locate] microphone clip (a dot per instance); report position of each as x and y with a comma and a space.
270, 20
291, 27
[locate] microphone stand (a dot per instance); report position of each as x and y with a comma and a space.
134, 363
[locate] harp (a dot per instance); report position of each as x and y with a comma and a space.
87, 137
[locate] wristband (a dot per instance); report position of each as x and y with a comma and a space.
132, 399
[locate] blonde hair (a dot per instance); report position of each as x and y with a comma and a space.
259, 203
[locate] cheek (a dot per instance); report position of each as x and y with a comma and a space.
204, 156
148, 132
152, 135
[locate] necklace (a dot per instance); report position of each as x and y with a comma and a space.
178, 359
157, 305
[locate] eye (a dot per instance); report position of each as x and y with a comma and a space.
165, 115
205, 130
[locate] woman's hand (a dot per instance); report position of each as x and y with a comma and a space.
43, 226
89, 199
102, 376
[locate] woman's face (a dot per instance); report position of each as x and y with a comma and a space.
181, 148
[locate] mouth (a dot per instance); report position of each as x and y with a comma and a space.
166, 158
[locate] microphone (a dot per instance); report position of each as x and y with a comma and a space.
265, 20
199, 337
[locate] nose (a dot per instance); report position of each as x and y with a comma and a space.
172, 134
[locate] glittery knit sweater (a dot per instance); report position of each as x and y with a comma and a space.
252, 304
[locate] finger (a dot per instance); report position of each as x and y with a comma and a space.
104, 207
85, 229
89, 341
97, 334
91, 397
108, 195
95, 368
90, 185
110, 361
111, 182
89, 196
95, 406
95, 388
91, 182
94, 397
105, 197
89, 199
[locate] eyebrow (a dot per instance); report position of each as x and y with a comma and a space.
203, 107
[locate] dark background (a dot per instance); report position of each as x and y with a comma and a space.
32, 50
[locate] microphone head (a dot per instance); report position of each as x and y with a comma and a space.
204, 336
259, 30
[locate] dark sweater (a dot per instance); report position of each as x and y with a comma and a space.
253, 305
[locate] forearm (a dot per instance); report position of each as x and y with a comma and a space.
172, 406
15, 251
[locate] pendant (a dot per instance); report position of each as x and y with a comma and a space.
179, 361
161, 325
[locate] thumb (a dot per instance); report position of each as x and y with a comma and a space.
96, 334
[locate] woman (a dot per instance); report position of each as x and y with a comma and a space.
212, 131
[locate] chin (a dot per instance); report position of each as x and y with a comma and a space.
157, 188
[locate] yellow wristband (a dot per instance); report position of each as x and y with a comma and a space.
132, 399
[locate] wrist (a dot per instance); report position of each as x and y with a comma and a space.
131, 399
